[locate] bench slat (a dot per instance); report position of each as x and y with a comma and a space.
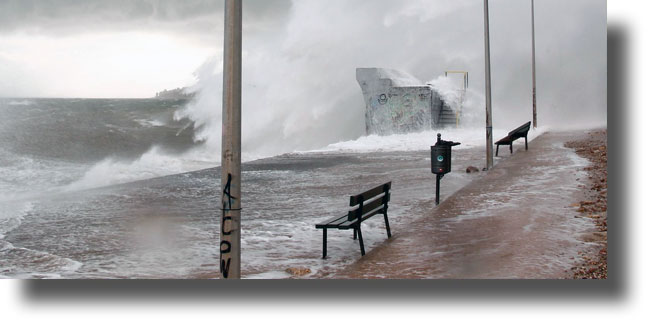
370, 193
374, 204
332, 222
344, 222
348, 224
504, 141
520, 132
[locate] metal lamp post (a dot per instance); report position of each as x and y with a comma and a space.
231, 144
488, 94
535, 108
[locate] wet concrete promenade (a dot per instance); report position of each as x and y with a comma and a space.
515, 221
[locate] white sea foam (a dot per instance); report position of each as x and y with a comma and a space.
12, 213
468, 138
21, 103
150, 122
22, 177
151, 164
13, 210
156, 163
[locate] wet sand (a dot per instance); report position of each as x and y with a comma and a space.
516, 221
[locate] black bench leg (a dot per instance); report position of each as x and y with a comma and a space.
355, 234
361, 242
526, 142
497, 151
389, 233
325, 240
511, 148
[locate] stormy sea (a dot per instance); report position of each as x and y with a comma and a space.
120, 188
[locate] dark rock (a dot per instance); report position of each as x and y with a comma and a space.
471, 169
299, 272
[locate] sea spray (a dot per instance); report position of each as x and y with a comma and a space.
299, 86
416, 141
468, 102
205, 108
154, 163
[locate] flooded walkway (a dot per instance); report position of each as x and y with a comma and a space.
516, 221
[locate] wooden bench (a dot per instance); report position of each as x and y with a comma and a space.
363, 206
521, 132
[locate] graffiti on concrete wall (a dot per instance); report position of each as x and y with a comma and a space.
400, 110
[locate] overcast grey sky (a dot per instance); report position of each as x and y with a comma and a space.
96, 48
118, 48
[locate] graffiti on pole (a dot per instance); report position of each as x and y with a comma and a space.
226, 245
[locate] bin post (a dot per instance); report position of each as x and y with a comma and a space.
438, 177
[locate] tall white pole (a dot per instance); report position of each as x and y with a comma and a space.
488, 94
231, 144
535, 99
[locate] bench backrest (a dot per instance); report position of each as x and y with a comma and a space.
522, 131
370, 200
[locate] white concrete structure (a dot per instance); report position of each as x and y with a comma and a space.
396, 102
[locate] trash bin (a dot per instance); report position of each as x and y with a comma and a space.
441, 161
